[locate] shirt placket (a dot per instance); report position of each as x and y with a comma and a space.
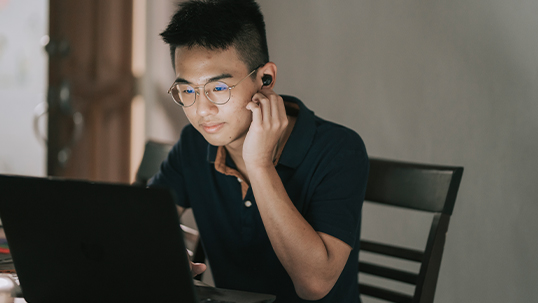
248, 211
248, 208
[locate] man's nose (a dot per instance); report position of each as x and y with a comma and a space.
205, 107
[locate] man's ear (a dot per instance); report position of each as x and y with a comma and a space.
267, 75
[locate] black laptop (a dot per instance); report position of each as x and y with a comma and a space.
78, 241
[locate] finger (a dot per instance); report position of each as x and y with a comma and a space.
198, 268
264, 105
256, 112
282, 109
268, 92
278, 110
266, 110
258, 96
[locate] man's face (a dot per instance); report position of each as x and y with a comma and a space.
221, 125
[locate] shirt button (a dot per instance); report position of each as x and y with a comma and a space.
239, 180
248, 203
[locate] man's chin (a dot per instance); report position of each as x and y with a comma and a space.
222, 138
216, 140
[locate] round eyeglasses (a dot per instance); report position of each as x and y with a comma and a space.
217, 92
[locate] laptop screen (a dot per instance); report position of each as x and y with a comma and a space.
77, 241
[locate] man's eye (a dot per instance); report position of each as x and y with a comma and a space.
220, 88
188, 90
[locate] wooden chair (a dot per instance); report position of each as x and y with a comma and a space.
154, 155
428, 188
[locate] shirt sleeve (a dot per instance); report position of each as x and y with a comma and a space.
170, 176
336, 205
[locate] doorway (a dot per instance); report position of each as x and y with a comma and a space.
91, 88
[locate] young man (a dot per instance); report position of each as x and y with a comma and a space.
276, 191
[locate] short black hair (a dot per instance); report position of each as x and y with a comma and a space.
218, 25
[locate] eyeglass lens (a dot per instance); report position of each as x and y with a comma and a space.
185, 95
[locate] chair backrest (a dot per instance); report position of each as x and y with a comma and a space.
429, 188
154, 155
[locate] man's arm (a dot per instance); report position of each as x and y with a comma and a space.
313, 260
180, 211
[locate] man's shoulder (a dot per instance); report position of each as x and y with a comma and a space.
322, 136
337, 134
338, 146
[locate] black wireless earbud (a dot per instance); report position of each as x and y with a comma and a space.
267, 80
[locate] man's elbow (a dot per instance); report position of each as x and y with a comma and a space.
314, 289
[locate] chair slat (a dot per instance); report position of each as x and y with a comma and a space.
423, 187
389, 273
384, 294
393, 251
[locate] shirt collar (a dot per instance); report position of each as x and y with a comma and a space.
301, 136
299, 141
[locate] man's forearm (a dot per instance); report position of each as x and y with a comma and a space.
301, 250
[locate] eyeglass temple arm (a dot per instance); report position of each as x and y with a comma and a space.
252, 72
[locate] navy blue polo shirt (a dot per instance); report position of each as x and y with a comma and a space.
324, 168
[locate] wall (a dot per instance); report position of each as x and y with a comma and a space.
164, 118
446, 82
23, 81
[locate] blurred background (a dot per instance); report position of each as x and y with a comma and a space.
83, 86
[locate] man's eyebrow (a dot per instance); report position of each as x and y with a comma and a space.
215, 78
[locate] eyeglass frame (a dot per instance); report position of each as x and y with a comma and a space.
197, 93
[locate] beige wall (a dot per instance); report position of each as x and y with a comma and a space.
448, 82
164, 118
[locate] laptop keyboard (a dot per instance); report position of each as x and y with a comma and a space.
15, 279
7, 262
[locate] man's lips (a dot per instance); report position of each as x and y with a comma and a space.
212, 127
